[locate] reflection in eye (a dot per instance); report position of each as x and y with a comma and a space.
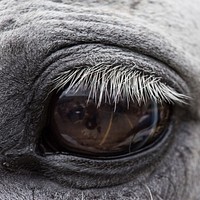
78, 125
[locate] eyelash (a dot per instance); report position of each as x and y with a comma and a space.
114, 84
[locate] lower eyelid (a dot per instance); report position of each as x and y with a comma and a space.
99, 171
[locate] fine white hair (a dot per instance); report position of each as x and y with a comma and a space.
119, 83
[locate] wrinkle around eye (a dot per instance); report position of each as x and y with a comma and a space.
133, 36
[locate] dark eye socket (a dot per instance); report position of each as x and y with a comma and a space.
77, 125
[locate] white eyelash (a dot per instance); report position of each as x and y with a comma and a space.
113, 84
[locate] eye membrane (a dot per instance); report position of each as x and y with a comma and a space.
79, 126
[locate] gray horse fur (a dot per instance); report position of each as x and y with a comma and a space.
41, 39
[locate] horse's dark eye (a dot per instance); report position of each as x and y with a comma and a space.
77, 125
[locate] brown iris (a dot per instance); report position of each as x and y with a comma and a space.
77, 125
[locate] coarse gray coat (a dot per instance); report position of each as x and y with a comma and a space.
40, 39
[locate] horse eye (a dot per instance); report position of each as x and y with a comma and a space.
79, 126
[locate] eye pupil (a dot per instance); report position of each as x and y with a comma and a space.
79, 126
91, 116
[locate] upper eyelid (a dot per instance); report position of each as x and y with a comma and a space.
148, 41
